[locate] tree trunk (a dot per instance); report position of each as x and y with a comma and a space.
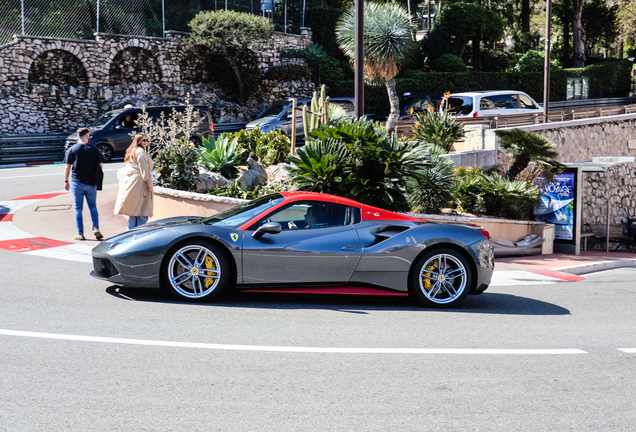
476, 57
525, 16
565, 60
237, 74
395, 105
578, 59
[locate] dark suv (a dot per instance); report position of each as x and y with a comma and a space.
111, 133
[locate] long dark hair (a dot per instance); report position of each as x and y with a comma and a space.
137, 142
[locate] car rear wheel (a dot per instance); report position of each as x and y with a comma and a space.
106, 150
195, 271
441, 278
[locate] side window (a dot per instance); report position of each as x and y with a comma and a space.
525, 102
311, 215
128, 120
508, 102
488, 103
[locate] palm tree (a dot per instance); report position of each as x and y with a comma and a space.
387, 44
526, 147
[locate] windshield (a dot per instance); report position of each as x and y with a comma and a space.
237, 216
274, 110
103, 120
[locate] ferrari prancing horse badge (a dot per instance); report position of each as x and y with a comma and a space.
234, 237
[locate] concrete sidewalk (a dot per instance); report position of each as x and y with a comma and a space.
53, 218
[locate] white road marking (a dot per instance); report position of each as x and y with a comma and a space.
508, 278
628, 350
291, 349
72, 252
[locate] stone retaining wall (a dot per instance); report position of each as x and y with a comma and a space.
618, 185
55, 85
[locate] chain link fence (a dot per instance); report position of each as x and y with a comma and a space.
80, 19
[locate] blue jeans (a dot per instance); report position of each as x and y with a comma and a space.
79, 191
135, 221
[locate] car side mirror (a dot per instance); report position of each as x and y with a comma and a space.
268, 228
119, 127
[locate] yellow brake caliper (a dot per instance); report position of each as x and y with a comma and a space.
426, 281
209, 264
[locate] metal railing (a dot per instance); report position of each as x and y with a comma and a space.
80, 19
405, 128
32, 148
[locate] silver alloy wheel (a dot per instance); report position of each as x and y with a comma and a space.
443, 278
107, 153
194, 271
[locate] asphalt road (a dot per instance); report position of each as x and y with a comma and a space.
77, 354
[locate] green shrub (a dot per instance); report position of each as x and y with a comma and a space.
235, 191
319, 166
246, 141
610, 79
288, 73
272, 147
177, 165
498, 61
449, 63
330, 71
322, 21
534, 61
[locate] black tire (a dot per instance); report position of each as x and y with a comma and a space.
441, 289
106, 150
183, 268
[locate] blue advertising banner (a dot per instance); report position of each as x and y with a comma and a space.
556, 205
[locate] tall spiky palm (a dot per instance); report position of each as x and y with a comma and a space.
387, 44
528, 147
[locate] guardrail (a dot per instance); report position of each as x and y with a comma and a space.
32, 148
405, 128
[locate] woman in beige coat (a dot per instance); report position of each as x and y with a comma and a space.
135, 184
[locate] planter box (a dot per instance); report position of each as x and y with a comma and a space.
173, 203
507, 229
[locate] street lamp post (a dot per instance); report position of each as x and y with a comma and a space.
359, 59
546, 64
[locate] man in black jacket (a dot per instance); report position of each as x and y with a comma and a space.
84, 161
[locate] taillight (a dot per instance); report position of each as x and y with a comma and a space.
211, 126
485, 233
476, 114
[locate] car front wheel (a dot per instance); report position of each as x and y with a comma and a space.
441, 278
106, 150
195, 271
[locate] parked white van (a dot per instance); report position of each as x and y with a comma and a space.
492, 103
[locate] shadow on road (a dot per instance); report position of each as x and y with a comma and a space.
487, 303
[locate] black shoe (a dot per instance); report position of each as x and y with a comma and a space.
98, 235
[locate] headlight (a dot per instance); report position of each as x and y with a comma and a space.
119, 241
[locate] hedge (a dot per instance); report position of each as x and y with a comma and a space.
610, 79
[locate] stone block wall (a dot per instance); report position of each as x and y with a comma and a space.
54, 85
618, 185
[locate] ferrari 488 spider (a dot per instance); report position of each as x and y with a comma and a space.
300, 241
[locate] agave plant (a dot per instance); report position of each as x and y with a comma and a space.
220, 155
314, 52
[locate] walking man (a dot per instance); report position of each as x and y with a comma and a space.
84, 161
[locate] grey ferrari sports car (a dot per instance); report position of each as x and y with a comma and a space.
301, 242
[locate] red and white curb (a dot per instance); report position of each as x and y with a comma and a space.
533, 277
14, 239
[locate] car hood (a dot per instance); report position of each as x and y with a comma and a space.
154, 226
91, 131
262, 121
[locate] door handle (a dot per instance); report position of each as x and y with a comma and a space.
348, 248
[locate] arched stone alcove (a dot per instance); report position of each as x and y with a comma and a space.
134, 65
58, 67
196, 66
